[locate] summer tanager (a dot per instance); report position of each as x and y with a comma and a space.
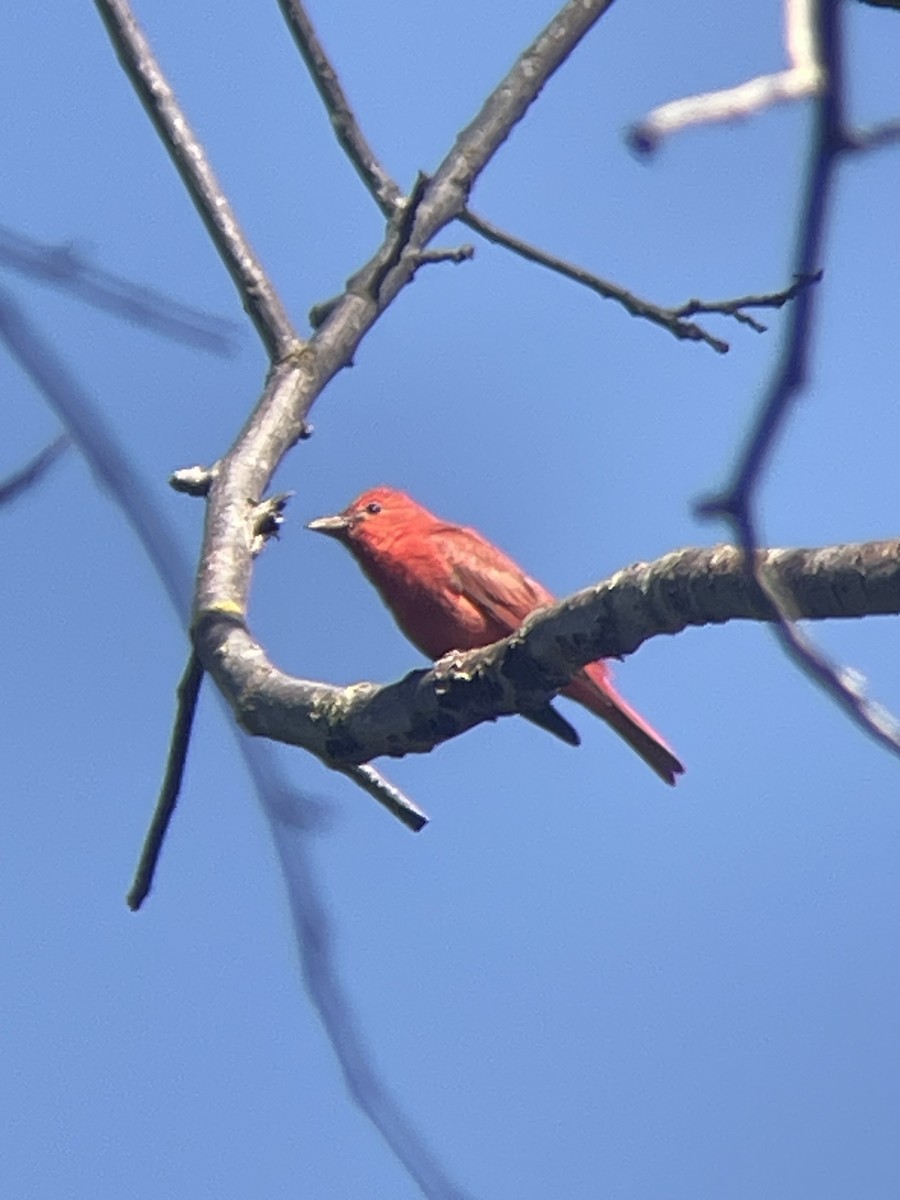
451, 589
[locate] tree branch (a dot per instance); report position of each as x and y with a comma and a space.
256, 290
804, 77
385, 190
674, 320
693, 587
187, 693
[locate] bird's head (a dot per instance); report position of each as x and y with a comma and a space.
369, 517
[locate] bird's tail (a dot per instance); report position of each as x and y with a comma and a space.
593, 689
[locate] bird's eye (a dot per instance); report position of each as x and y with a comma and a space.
373, 508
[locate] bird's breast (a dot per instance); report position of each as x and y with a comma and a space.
421, 592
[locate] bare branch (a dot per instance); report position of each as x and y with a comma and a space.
256, 290
509, 102
685, 588
804, 77
188, 692
386, 793
670, 319
33, 472
347, 130
452, 254
734, 308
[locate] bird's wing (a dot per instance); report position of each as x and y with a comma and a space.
505, 596
491, 581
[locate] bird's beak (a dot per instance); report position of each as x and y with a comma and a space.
336, 526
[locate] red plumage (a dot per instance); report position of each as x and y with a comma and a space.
451, 589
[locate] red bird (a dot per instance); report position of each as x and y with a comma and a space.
451, 589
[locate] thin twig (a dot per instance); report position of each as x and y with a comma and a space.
346, 127
188, 691
667, 318
400, 231
733, 308
400, 806
453, 254
256, 290
26, 477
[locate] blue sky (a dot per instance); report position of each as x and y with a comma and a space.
575, 982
